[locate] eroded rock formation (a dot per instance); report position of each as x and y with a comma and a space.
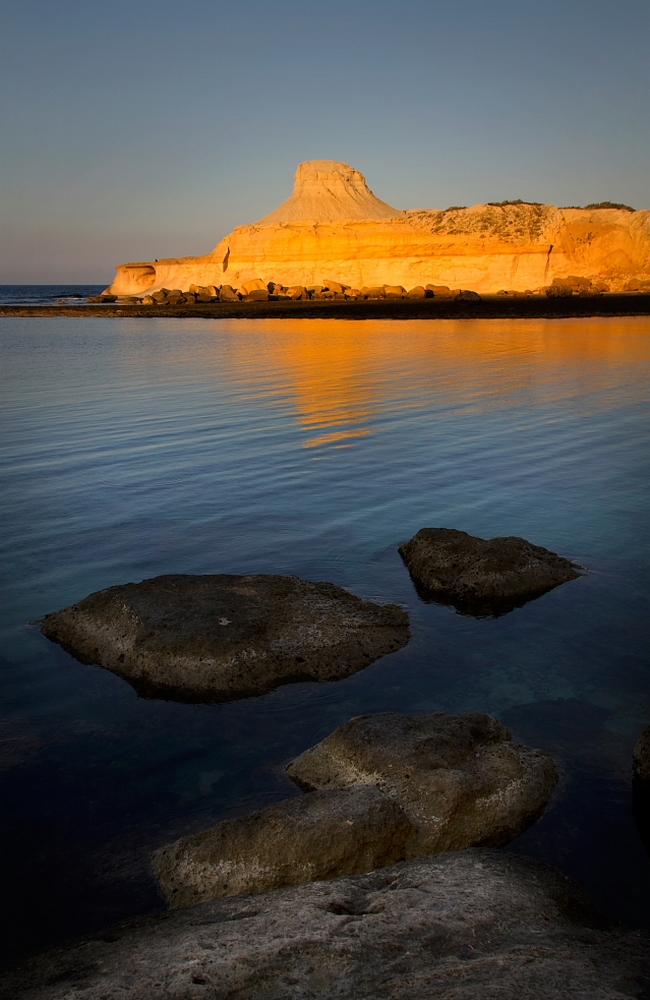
221, 637
333, 228
454, 927
482, 576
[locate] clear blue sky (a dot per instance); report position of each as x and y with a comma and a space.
144, 128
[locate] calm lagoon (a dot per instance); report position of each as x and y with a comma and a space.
132, 448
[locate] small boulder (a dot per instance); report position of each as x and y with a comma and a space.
254, 285
215, 638
459, 778
419, 292
160, 295
439, 291
334, 286
394, 292
148, 300
107, 298
559, 291
312, 837
297, 292
467, 295
228, 294
373, 292
482, 575
257, 295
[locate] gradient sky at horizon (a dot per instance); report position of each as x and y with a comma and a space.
142, 129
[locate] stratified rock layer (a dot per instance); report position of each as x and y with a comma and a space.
478, 924
459, 778
222, 637
309, 838
482, 574
334, 228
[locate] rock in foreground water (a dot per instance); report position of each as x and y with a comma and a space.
460, 779
477, 924
221, 637
482, 575
304, 839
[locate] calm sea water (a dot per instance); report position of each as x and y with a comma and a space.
136, 448
38, 295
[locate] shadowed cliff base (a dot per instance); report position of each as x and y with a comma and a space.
487, 307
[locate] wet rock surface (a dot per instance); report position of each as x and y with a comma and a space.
216, 638
641, 756
482, 576
460, 779
463, 925
304, 839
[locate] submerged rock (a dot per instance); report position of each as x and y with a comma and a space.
459, 778
476, 924
482, 575
221, 637
641, 756
304, 839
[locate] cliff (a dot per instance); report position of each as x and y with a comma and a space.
333, 227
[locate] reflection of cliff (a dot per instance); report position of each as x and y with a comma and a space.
333, 227
341, 376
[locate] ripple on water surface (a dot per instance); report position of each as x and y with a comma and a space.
133, 448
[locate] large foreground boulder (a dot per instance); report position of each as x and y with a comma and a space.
477, 924
222, 637
459, 778
305, 839
482, 575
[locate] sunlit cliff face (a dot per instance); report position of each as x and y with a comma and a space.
334, 227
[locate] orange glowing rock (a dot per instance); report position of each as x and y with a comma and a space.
334, 231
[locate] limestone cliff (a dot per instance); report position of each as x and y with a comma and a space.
333, 227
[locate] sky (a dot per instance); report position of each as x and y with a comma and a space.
140, 129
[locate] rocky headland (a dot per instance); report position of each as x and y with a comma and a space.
334, 237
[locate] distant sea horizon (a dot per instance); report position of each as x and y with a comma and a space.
18, 295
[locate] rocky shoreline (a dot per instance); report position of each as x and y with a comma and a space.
485, 307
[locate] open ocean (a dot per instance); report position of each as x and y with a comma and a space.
47, 295
131, 449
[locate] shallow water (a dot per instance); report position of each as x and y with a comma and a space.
138, 447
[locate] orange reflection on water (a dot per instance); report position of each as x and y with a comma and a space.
341, 375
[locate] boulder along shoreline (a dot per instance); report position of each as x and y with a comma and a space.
487, 307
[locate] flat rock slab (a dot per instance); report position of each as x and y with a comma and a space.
482, 576
477, 924
305, 839
216, 638
460, 779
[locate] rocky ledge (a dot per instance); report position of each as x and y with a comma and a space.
222, 637
380, 788
482, 576
456, 927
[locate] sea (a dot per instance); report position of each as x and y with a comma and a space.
314, 447
47, 295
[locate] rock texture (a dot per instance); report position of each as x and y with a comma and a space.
482, 575
222, 637
478, 924
460, 779
309, 838
641, 756
333, 227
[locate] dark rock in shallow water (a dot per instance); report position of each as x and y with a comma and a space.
476, 924
641, 756
482, 576
459, 778
215, 638
305, 839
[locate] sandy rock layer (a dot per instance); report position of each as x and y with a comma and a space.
460, 779
222, 637
305, 839
463, 926
482, 575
